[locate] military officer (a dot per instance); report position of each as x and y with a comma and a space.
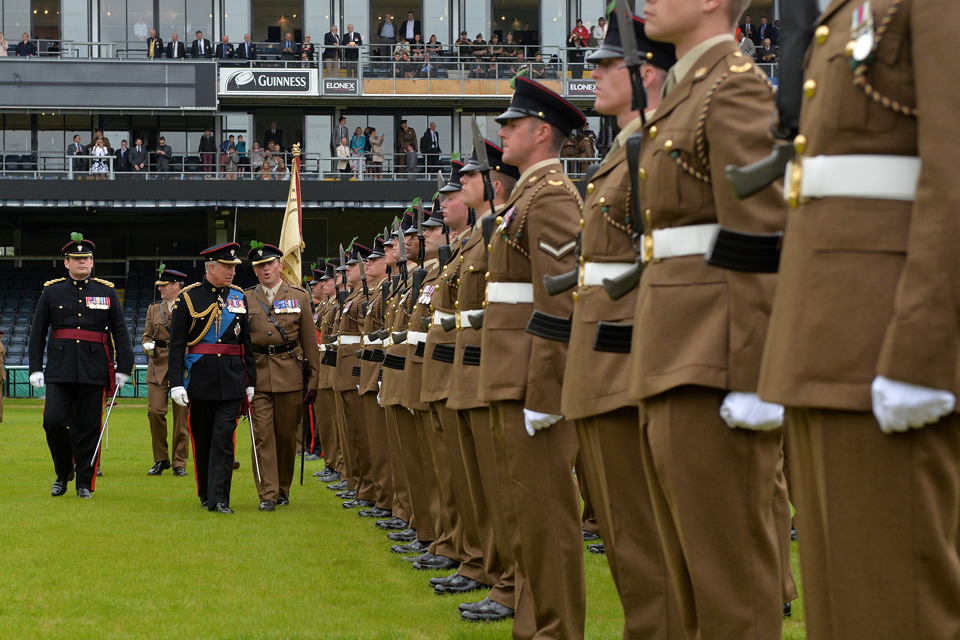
863, 341
213, 370
156, 344
524, 348
711, 448
283, 337
85, 316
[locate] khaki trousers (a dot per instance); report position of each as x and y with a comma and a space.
449, 536
376, 424
877, 517
420, 514
275, 420
712, 489
350, 414
401, 491
588, 519
325, 413
157, 405
546, 505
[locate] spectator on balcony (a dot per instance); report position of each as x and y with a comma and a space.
80, 165
99, 167
154, 46
478, 69
343, 161
463, 47
98, 135
273, 135
518, 65
201, 47
434, 48
749, 30
430, 147
139, 156
164, 153
766, 30
411, 28
140, 29
539, 70
207, 151
232, 164
281, 172
175, 48
358, 143
122, 163
242, 154
3, 46
224, 50
351, 55
25, 48
576, 46
747, 48
308, 49
256, 157
248, 50
376, 151
427, 70
493, 67
495, 48
598, 32
387, 33
402, 47
417, 49
768, 53
411, 163
586, 147
405, 136
288, 48
331, 52
580, 31
511, 48
224, 146
480, 46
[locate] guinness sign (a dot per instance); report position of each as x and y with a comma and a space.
269, 82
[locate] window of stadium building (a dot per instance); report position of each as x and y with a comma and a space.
131, 20
14, 19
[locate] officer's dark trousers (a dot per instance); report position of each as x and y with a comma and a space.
212, 425
71, 418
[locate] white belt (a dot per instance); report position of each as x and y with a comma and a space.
863, 176
594, 273
368, 342
414, 337
510, 292
440, 315
674, 242
465, 318
324, 347
349, 340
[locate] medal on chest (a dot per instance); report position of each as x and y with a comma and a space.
862, 33
286, 306
94, 302
507, 219
426, 294
236, 305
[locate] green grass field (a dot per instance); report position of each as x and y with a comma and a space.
143, 560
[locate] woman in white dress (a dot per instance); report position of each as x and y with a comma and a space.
99, 167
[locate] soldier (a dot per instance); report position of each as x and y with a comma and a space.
156, 344
3, 374
405, 136
213, 370
711, 448
283, 337
524, 349
318, 300
79, 374
607, 421
326, 407
863, 339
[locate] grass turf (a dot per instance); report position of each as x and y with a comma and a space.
142, 559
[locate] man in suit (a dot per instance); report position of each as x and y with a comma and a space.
122, 163
98, 135
284, 339
406, 136
87, 325
387, 34
25, 48
340, 132
331, 52
288, 48
766, 30
768, 53
156, 344
164, 153
750, 30
869, 374
175, 49
351, 40
224, 50
273, 135
154, 46
747, 48
80, 165
216, 375
208, 151
201, 47
430, 148
139, 157
247, 50
410, 28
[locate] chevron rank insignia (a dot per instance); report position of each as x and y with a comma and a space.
557, 252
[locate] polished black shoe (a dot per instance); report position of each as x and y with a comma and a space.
350, 494
366, 504
99, 472
793, 533
330, 477
375, 512
204, 504
437, 563
473, 606
460, 584
59, 488
221, 507
268, 505
236, 465
337, 486
426, 555
787, 609
407, 535
158, 468
84, 493
354, 504
596, 548
283, 499
588, 536
491, 612
393, 524
416, 547
444, 579
180, 472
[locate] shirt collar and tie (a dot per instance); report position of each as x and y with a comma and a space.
272, 293
683, 66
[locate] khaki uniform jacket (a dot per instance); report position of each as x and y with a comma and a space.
3, 369
696, 324
326, 322
283, 372
471, 292
391, 388
599, 381
157, 329
438, 375
869, 286
369, 370
350, 322
538, 236
413, 374
408, 136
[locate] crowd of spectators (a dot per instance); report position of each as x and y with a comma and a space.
759, 41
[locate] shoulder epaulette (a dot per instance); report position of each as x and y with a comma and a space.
251, 288
55, 280
103, 282
190, 286
301, 289
233, 286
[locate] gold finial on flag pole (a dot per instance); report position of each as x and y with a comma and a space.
296, 150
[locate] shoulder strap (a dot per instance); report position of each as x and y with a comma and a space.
273, 321
633, 163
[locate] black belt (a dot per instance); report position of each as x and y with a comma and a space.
394, 362
380, 376
471, 356
613, 338
163, 344
377, 355
444, 353
274, 349
549, 327
365, 354
356, 372
420, 349
743, 251
329, 358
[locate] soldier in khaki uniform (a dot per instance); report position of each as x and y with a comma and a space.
156, 344
3, 374
711, 448
326, 406
524, 351
283, 336
324, 429
405, 135
864, 340
607, 421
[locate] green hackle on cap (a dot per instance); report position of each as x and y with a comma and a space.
76, 237
513, 81
256, 245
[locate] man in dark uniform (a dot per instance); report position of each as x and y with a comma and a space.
212, 360
86, 318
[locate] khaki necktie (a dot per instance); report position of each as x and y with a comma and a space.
270, 295
669, 83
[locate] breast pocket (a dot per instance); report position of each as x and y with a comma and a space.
65, 313
672, 185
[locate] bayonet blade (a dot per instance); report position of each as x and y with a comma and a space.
627, 37
363, 266
343, 258
419, 213
441, 183
479, 146
403, 248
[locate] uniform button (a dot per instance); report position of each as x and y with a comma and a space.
79, 314
668, 145
810, 88
269, 333
218, 355
489, 248
800, 143
470, 268
581, 223
61, 306
590, 188
602, 200
486, 276
499, 219
822, 33
643, 173
456, 305
576, 297
848, 50
78, 342
653, 132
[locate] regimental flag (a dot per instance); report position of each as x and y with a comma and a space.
291, 234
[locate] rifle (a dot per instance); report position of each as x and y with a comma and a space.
363, 280
419, 274
483, 164
344, 292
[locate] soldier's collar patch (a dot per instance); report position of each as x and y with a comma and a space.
555, 251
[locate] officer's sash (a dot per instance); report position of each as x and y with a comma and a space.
235, 301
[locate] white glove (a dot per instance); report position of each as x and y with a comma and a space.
121, 378
747, 411
249, 394
901, 405
179, 395
534, 420
148, 348
36, 379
